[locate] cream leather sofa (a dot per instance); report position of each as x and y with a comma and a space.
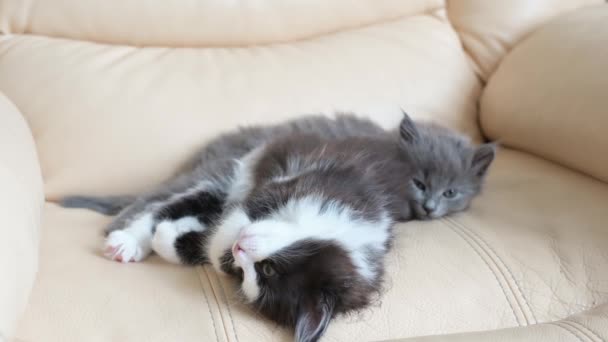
105, 97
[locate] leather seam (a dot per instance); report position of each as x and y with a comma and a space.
467, 240
208, 305
504, 267
584, 330
215, 296
569, 329
225, 297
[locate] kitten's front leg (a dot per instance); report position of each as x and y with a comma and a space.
129, 236
132, 243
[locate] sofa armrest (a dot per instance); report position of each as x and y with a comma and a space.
548, 96
21, 198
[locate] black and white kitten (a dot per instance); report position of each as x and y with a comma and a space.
301, 213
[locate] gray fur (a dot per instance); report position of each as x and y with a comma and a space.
216, 162
110, 205
386, 164
445, 161
439, 158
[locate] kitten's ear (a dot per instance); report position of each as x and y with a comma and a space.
483, 157
313, 318
407, 128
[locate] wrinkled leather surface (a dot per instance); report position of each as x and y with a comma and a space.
21, 199
589, 326
490, 29
112, 119
116, 100
199, 23
549, 97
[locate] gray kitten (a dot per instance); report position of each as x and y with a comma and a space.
301, 213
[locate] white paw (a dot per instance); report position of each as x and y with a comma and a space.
163, 242
123, 247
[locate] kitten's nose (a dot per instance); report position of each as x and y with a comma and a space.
429, 207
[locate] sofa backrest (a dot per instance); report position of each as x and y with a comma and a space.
119, 94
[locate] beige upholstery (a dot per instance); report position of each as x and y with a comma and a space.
559, 87
201, 23
118, 94
21, 199
489, 29
591, 326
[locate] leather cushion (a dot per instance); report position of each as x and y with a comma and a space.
549, 95
116, 119
504, 263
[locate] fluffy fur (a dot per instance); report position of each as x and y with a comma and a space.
301, 213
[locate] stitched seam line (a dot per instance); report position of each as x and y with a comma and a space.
592, 332
215, 295
208, 305
225, 298
493, 256
229, 310
574, 331
468, 239
502, 262
555, 324
584, 330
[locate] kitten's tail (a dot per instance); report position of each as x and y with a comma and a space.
107, 205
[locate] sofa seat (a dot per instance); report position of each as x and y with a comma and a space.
504, 263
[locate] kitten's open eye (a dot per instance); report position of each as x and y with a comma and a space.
419, 185
268, 270
449, 193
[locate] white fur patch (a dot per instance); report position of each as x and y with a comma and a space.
226, 234
250, 286
133, 243
163, 242
301, 219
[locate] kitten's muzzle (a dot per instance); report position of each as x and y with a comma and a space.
241, 258
429, 207
423, 213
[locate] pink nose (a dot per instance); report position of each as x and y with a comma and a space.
236, 248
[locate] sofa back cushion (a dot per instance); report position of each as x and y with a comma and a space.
119, 94
111, 118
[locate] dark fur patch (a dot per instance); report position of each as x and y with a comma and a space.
191, 248
313, 279
227, 265
206, 206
